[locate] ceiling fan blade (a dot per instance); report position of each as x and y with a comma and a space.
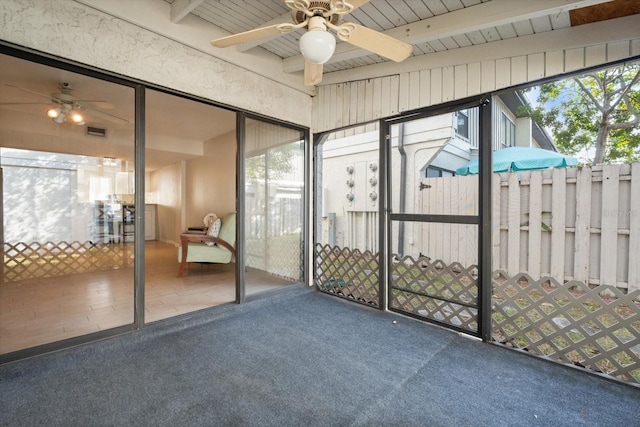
312, 73
103, 105
374, 41
103, 115
247, 36
29, 91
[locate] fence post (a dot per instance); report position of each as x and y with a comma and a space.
558, 223
634, 229
609, 228
583, 225
513, 237
534, 257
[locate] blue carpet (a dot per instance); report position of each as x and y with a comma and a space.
302, 358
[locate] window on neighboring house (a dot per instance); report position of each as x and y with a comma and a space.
436, 172
508, 131
462, 124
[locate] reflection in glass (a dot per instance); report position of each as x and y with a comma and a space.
274, 204
68, 212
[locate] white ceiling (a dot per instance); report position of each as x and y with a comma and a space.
431, 26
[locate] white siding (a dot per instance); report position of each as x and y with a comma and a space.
424, 88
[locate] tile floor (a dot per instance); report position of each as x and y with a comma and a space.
44, 310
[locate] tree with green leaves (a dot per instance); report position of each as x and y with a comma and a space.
596, 112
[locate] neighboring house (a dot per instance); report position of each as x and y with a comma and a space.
433, 147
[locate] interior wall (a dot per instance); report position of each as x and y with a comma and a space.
211, 180
168, 193
350, 103
81, 33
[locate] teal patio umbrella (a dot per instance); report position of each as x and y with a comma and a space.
520, 159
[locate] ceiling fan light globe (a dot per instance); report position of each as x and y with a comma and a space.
76, 117
317, 46
59, 119
53, 112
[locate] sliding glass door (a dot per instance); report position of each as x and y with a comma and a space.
67, 158
274, 171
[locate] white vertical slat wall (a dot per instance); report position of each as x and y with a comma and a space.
387, 96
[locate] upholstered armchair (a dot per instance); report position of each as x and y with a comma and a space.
205, 248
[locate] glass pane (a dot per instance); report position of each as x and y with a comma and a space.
67, 160
190, 178
346, 252
274, 203
426, 154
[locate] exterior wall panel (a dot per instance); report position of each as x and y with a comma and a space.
424, 88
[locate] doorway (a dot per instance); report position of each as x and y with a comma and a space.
433, 219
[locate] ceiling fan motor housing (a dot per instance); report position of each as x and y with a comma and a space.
317, 8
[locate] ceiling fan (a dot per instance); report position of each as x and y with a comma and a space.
317, 44
67, 108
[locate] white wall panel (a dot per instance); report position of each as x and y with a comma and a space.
414, 93
617, 51
386, 96
595, 55
487, 79
436, 86
535, 66
518, 70
448, 83
503, 73
573, 59
473, 78
425, 86
403, 92
460, 87
554, 63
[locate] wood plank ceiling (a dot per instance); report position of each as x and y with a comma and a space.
430, 25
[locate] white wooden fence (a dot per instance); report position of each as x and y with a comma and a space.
571, 224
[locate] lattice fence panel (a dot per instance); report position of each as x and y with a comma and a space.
287, 263
49, 259
349, 273
597, 329
447, 293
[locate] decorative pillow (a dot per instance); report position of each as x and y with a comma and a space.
209, 219
214, 230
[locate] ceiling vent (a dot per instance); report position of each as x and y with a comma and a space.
95, 131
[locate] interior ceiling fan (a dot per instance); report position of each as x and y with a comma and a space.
317, 44
67, 108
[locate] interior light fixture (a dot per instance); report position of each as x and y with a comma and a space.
54, 112
76, 117
65, 114
317, 44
